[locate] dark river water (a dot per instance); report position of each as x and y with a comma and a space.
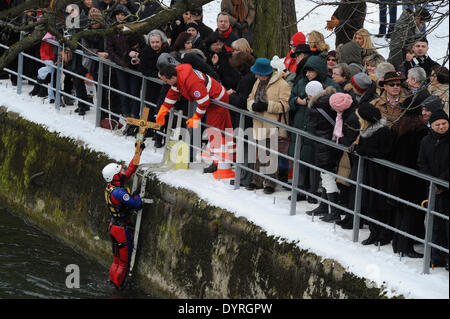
33, 265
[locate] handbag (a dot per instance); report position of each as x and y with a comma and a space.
283, 142
344, 169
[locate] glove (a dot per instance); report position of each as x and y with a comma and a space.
193, 122
142, 145
352, 148
241, 25
333, 23
259, 107
161, 117
137, 192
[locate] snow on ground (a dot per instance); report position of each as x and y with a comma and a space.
269, 212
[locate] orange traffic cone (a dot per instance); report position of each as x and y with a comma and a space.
224, 170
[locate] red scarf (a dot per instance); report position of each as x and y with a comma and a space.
225, 36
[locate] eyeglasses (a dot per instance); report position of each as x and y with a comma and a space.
331, 59
394, 84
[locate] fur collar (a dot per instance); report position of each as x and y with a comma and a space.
373, 128
328, 91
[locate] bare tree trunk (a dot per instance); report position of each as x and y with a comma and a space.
275, 24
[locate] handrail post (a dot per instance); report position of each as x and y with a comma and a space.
195, 136
20, 67
99, 100
295, 174
143, 95
58, 80
428, 230
358, 195
240, 156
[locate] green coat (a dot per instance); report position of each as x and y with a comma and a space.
300, 113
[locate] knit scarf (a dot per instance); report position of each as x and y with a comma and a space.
260, 94
239, 10
337, 133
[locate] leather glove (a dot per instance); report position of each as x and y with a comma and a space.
142, 145
137, 192
333, 23
193, 121
241, 25
161, 117
352, 148
259, 107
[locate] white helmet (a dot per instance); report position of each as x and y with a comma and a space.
110, 170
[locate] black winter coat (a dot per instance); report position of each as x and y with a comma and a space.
424, 62
433, 155
324, 156
377, 145
327, 157
229, 77
148, 58
351, 15
239, 99
407, 135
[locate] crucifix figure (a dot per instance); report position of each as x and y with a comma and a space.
143, 126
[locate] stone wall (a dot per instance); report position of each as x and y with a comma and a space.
187, 248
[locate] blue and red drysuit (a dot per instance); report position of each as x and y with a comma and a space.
121, 205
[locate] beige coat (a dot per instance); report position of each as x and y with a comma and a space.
440, 90
391, 114
278, 92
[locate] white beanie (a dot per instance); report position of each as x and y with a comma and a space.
314, 88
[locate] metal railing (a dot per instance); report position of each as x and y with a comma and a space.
296, 134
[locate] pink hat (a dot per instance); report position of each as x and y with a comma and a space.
340, 102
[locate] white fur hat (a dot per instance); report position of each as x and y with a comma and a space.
277, 63
314, 88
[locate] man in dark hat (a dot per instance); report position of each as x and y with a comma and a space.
301, 54
203, 29
391, 100
430, 105
433, 160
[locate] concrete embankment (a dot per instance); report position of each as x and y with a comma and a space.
188, 248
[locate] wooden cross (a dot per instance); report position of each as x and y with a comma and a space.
143, 126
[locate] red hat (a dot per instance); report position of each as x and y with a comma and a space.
298, 38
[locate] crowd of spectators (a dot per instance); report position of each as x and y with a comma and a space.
393, 108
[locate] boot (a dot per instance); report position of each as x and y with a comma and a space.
334, 215
82, 110
347, 221
210, 169
322, 209
300, 197
36, 88
43, 92
68, 101
158, 140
